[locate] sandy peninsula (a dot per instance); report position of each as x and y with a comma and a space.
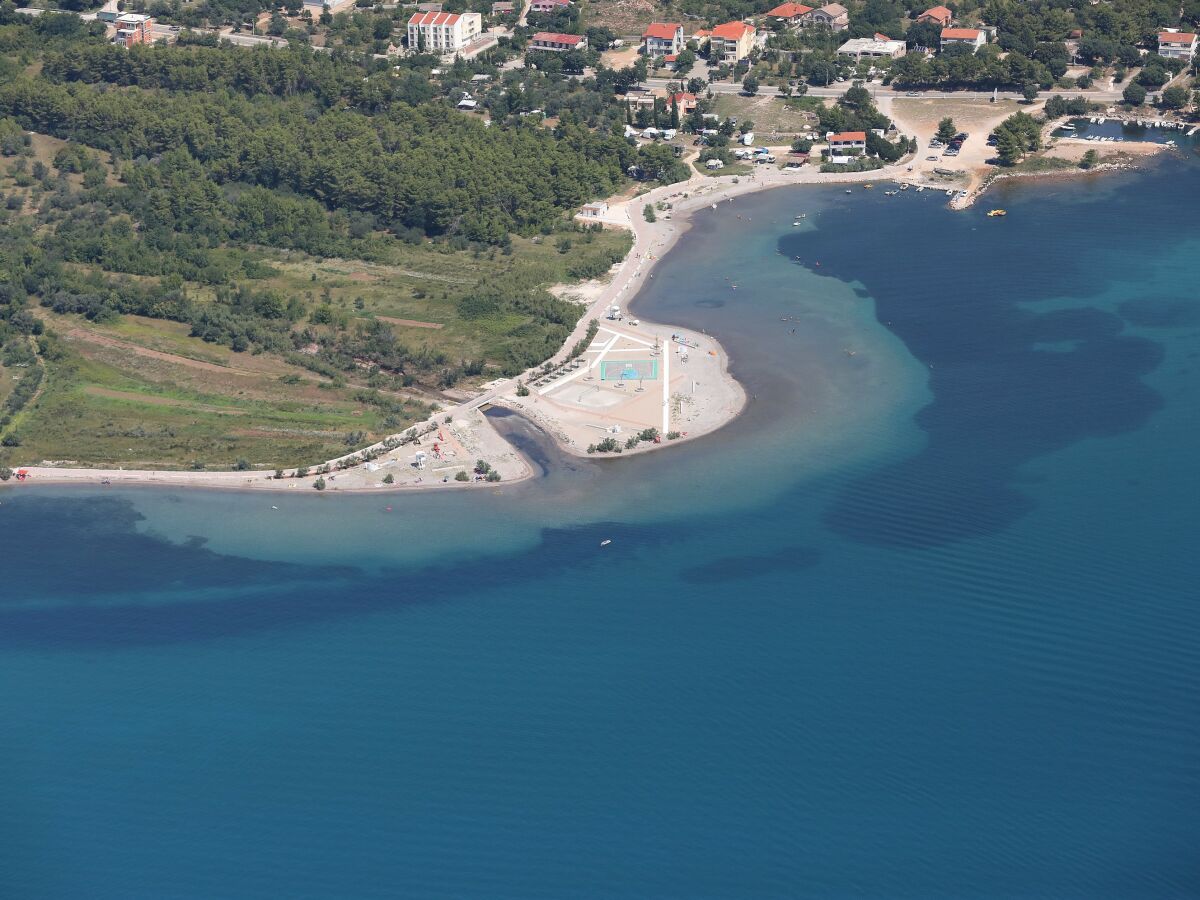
678, 384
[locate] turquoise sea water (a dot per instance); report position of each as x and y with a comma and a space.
922, 623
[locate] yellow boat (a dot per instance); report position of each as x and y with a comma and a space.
997, 212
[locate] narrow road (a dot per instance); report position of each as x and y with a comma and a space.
727, 87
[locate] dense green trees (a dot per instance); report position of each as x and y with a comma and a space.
985, 69
181, 161
1017, 135
424, 167
1134, 94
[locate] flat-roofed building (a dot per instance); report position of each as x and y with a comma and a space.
872, 48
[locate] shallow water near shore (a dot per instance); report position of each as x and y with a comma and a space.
921, 623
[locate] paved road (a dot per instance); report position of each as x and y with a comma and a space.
726, 87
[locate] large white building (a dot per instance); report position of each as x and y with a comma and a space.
872, 48
441, 33
1176, 45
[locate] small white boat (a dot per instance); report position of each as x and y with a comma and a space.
920, 187
605, 542
949, 193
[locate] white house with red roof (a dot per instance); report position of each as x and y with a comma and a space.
731, 43
938, 15
557, 43
791, 14
845, 146
968, 37
1176, 45
442, 32
686, 102
662, 38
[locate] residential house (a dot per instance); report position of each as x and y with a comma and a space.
969, 37
593, 210
639, 97
684, 101
833, 16
548, 6
558, 43
846, 145
731, 43
879, 47
938, 15
1176, 45
442, 33
662, 39
503, 8
133, 28
791, 14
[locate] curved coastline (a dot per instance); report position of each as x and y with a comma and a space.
470, 429
472, 434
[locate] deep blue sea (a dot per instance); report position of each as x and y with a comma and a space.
923, 623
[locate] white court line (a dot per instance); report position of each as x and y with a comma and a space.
666, 423
628, 337
568, 379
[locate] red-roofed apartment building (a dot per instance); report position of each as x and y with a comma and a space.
846, 145
441, 33
662, 38
792, 14
731, 43
558, 43
970, 37
938, 15
1176, 45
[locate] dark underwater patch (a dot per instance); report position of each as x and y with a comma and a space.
736, 568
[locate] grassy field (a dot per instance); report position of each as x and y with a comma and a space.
775, 121
421, 285
110, 399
